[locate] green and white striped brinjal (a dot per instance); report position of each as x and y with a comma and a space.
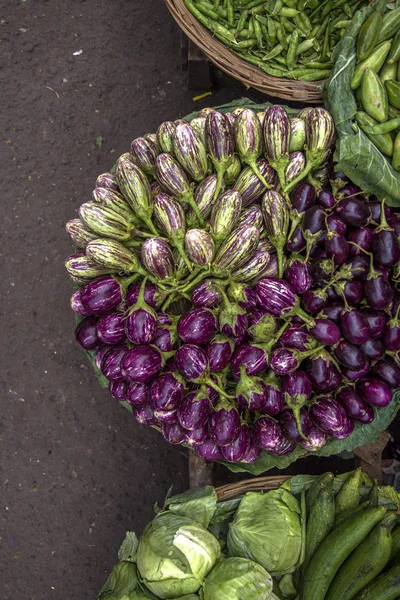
304, 112
144, 154
220, 144
173, 178
297, 134
238, 110
79, 233
260, 117
233, 171
81, 267
164, 135
320, 130
190, 151
199, 125
157, 257
204, 198
251, 269
113, 200
155, 188
107, 180
237, 248
249, 141
277, 139
199, 247
105, 222
252, 216
232, 118
248, 184
276, 219
152, 138
114, 256
225, 215
170, 218
295, 166
181, 268
206, 111
135, 187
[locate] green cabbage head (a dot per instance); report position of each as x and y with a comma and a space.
267, 529
237, 579
123, 584
175, 554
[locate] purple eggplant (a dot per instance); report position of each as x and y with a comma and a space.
204, 199
353, 211
313, 224
368, 417
326, 332
101, 295
166, 416
362, 238
326, 199
350, 356
253, 356
117, 390
297, 274
284, 361
374, 391
166, 338
167, 391
235, 451
378, 291
98, 359
391, 333
197, 326
246, 297
353, 375
283, 448
206, 294
320, 370
144, 154
209, 451
250, 391
296, 243
385, 247
275, 296
145, 415
219, 352
297, 383
335, 224
140, 320
375, 208
353, 291
275, 399
137, 394
232, 320
388, 371
110, 328
266, 433
252, 454
373, 349
328, 415
376, 321
354, 406
333, 311
359, 266
142, 363
152, 296
199, 247
345, 431
249, 140
108, 181
173, 433
197, 437
249, 185
224, 424
313, 301
86, 334
165, 319
337, 247
276, 129
296, 337
76, 304
354, 326
111, 366
316, 439
236, 250
303, 197
191, 361
251, 216
394, 223
220, 144
289, 425
194, 410
333, 296
157, 257
190, 150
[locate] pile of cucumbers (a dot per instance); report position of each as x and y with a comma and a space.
376, 82
352, 542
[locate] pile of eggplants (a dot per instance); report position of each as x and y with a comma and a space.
234, 290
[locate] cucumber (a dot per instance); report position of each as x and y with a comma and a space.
350, 512
334, 550
395, 542
364, 564
384, 587
313, 491
320, 522
349, 495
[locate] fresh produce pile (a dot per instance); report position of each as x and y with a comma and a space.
313, 538
230, 302
285, 38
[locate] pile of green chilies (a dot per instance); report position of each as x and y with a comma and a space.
285, 38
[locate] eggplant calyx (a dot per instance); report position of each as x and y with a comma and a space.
383, 225
296, 403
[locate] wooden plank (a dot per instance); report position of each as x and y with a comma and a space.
369, 457
201, 472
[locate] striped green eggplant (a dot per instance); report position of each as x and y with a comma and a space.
251, 269
295, 166
277, 139
144, 153
113, 200
165, 136
170, 218
79, 233
297, 134
114, 256
199, 125
249, 185
190, 151
199, 247
157, 257
233, 171
237, 248
204, 198
79, 266
276, 219
105, 222
225, 215
220, 144
249, 141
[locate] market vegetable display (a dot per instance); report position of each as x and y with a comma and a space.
285, 38
245, 306
314, 538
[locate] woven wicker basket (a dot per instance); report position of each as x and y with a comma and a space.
257, 484
227, 61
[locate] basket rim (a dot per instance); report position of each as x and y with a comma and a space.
255, 484
250, 75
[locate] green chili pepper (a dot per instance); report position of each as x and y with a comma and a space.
291, 53
271, 31
258, 33
242, 21
325, 45
281, 36
274, 52
231, 12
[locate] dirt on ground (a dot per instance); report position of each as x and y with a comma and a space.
79, 80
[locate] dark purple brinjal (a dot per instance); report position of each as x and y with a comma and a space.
376, 321
152, 296
333, 311
164, 318
98, 359
326, 199
388, 371
166, 338
297, 390
348, 190
140, 321
142, 363
326, 332
297, 337
192, 362
373, 349
354, 406
195, 409
252, 454
197, 437
250, 391
173, 433
284, 361
328, 415
110, 328
313, 301
313, 226
76, 304
302, 197
166, 416
353, 375
297, 383
288, 422
101, 295
283, 448
350, 356
275, 399
86, 334
385, 245
354, 326
320, 370
232, 320
359, 266
236, 450
111, 363
337, 247
374, 391
206, 294
394, 223
297, 243
262, 326
275, 296
391, 333
219, 352
345, 431
353, 211
375, 208
167, 391
197, 326
332, 294
145, 415
224, 424
297, 274
209, 450
361, 238
378, 291
368, 417
253, 356
353, 291
316, 439
335, 224
266, 433
117, 390
137, 394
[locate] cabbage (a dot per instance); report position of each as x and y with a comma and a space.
175, 554
267, 529
237, 579
123, 584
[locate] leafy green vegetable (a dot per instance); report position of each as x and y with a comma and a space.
128, 547
237, 579
122, 584
198, 504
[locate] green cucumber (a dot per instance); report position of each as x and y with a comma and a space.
374, 61
390, 24
396, 153
374, 96
349, 495
365, 563
384, 587
388, 72
334, 550
393, 92
320, 521
368, 35
395, 542
313, 491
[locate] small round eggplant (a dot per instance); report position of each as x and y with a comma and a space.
137, 394
353, 211
206, 294
166, 416
373, 349
266, 433
101, 295
219, 352
374, 391
224, 425
167, 391
284, 361
194, 410
350, 356
86, 334
326, 199
111, 363
354, 326
362, 237
253, 357
354, 406
173, 433
191, 361
197, 326
288, 423
235, 451
378, 292
142, 363
333, 311
117, 390
145, 415
388, 371
209, 450
326, 332
197, 437
296, 337
376, 321
316, 440
110, 328
151, 294
328, 415
297, 274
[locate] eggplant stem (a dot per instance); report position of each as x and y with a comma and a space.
218, 389
256, 171
181, 250
196, 209
169, 301
149, 224
288, 188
